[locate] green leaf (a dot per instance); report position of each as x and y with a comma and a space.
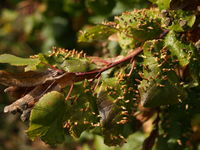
155, 96
111, 109
194, 69
77, 65
162, 4
158, 87
98, 32
107, 109
179, 20
182, 51
134, 142
191, 20
46, 119
84, 103
126, 43
137, 26
30, 63
70, 61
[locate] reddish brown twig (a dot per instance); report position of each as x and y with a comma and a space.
94, 74
71, 78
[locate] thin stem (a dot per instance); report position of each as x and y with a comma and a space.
132, 67
96, 85
70, 91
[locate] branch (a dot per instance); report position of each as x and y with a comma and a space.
93, 74
49, 81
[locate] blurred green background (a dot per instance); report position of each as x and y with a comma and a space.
32, 26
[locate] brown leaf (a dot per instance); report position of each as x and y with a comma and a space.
26, 79
66, 79
31, 98
17, 92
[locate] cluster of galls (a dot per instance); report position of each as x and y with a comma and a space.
67, 53
160, 83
